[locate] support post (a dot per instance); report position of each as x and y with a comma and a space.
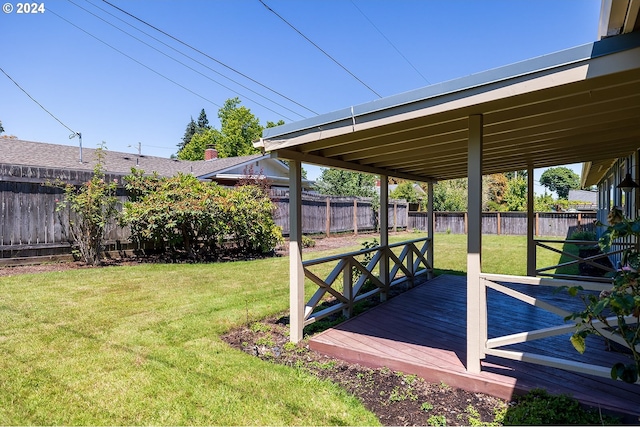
296, 271
384, 235
475, 309
531, 225
430, 227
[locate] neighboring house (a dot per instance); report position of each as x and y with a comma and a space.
583, 200
20, 159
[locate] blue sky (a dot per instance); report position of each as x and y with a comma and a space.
122, 90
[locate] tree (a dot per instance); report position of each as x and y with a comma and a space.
238, 129
1, 128
406, 191
338, 182
450, 196
191, 130
516, 195
203, 122
560, 180
494, 189
194, 150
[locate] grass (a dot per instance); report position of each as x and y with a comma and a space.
141, 344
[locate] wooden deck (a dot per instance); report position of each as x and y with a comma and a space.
422, 332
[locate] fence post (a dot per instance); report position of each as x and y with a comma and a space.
498, 222
355, 217
395, 216
579, 221
466, 223
328, 216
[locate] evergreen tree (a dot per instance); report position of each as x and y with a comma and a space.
203, 122
1, 128
191, 130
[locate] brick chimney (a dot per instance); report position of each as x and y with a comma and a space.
210, 153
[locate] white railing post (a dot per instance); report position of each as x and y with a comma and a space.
430, 227
531, 243
384, 235
296, 270
474, 245
347, 288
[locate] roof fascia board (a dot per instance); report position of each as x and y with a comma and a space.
243, 163
539, 64
333, 163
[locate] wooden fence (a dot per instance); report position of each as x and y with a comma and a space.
556, 224
331, 214
31, 226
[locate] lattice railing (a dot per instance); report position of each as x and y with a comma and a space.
499, 345
356, 276
597, 263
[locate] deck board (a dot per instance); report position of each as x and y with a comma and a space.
423, 332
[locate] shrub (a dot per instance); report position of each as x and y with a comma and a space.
539, 407
584, 235
182, 214
92, 206
308, 242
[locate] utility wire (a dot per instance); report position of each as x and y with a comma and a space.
182, 63
189, 57
208, 56
133, 59
389, 41
40, 105
318, 47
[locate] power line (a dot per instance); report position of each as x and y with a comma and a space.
40, 105
187, 56
133, 59
179, 62
389, 41
318, 47
208, 56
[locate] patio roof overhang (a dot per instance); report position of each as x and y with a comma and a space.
572, 106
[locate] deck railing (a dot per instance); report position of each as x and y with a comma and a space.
353, 276
598, 262
498, 345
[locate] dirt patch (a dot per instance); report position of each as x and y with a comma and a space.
395, 398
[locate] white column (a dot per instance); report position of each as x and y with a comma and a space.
384, 232
430, 226
475, 310
296, 272
531, 224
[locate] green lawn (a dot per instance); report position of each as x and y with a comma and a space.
141, 344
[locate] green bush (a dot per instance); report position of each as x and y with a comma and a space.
183, 215
539, 407
93, 206
308, 242
584, 235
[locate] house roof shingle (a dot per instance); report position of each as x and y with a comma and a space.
28, 153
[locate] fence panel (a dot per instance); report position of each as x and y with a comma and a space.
29, 220
556, 224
